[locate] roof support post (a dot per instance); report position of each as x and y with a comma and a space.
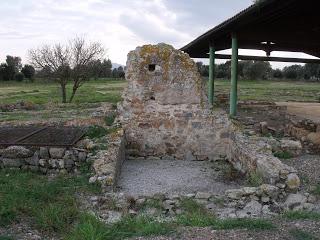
211, 74
234, 77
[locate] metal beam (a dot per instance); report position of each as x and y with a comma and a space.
234, 77
211, 74
271, 59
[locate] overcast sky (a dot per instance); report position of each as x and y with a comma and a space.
120, 25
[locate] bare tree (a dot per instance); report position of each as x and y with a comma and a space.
83, 54
69, 63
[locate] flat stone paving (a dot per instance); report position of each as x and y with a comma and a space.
145, 177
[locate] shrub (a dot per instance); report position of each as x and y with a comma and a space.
110, 119
298, 234
19, 77
96, 132
255, 179
283, 155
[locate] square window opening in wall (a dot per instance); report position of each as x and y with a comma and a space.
152, 67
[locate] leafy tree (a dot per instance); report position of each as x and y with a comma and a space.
293, 72
28, 71
96, 68
121, 72
312, 71
68, 63
5, 72
115, 73
106, 68
14, 66
257, 70
223, 70
277, 73
203, 69
118, 72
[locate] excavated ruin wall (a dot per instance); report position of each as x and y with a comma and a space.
164, 111
165, 115
49, 160
253, 155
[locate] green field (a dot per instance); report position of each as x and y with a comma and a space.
47, 99
273, 91
103, 90
46, 205
90, 96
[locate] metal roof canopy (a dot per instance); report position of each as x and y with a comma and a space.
271, 25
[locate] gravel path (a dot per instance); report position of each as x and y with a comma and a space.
144, 177
308, 167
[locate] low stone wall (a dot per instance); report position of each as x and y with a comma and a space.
307, 131
107, 163
246, 202
249, 154
42, 159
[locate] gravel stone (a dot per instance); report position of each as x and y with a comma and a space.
173, 177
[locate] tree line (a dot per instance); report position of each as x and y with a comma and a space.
259, 70
73, 63
12, 69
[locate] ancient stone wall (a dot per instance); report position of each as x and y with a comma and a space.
42, 159
107, 163
164, 110
249, 154
165, 115
306, 131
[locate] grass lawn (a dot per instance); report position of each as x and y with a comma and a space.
273, 91
109, 90
95, 92
102, 90
48, 99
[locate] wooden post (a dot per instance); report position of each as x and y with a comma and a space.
211, 74
234, 77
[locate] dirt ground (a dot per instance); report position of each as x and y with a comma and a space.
303, 110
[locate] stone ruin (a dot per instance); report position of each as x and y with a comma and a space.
165, 112
165, 115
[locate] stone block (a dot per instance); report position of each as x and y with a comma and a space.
253, 208
57, 153
44, 153
290, 146
12, 163
16, 152
43, 162
33, 161
235, 194
82, 156
68, 164
294, 200
314, 138
53, 163
293, 182
202, 195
